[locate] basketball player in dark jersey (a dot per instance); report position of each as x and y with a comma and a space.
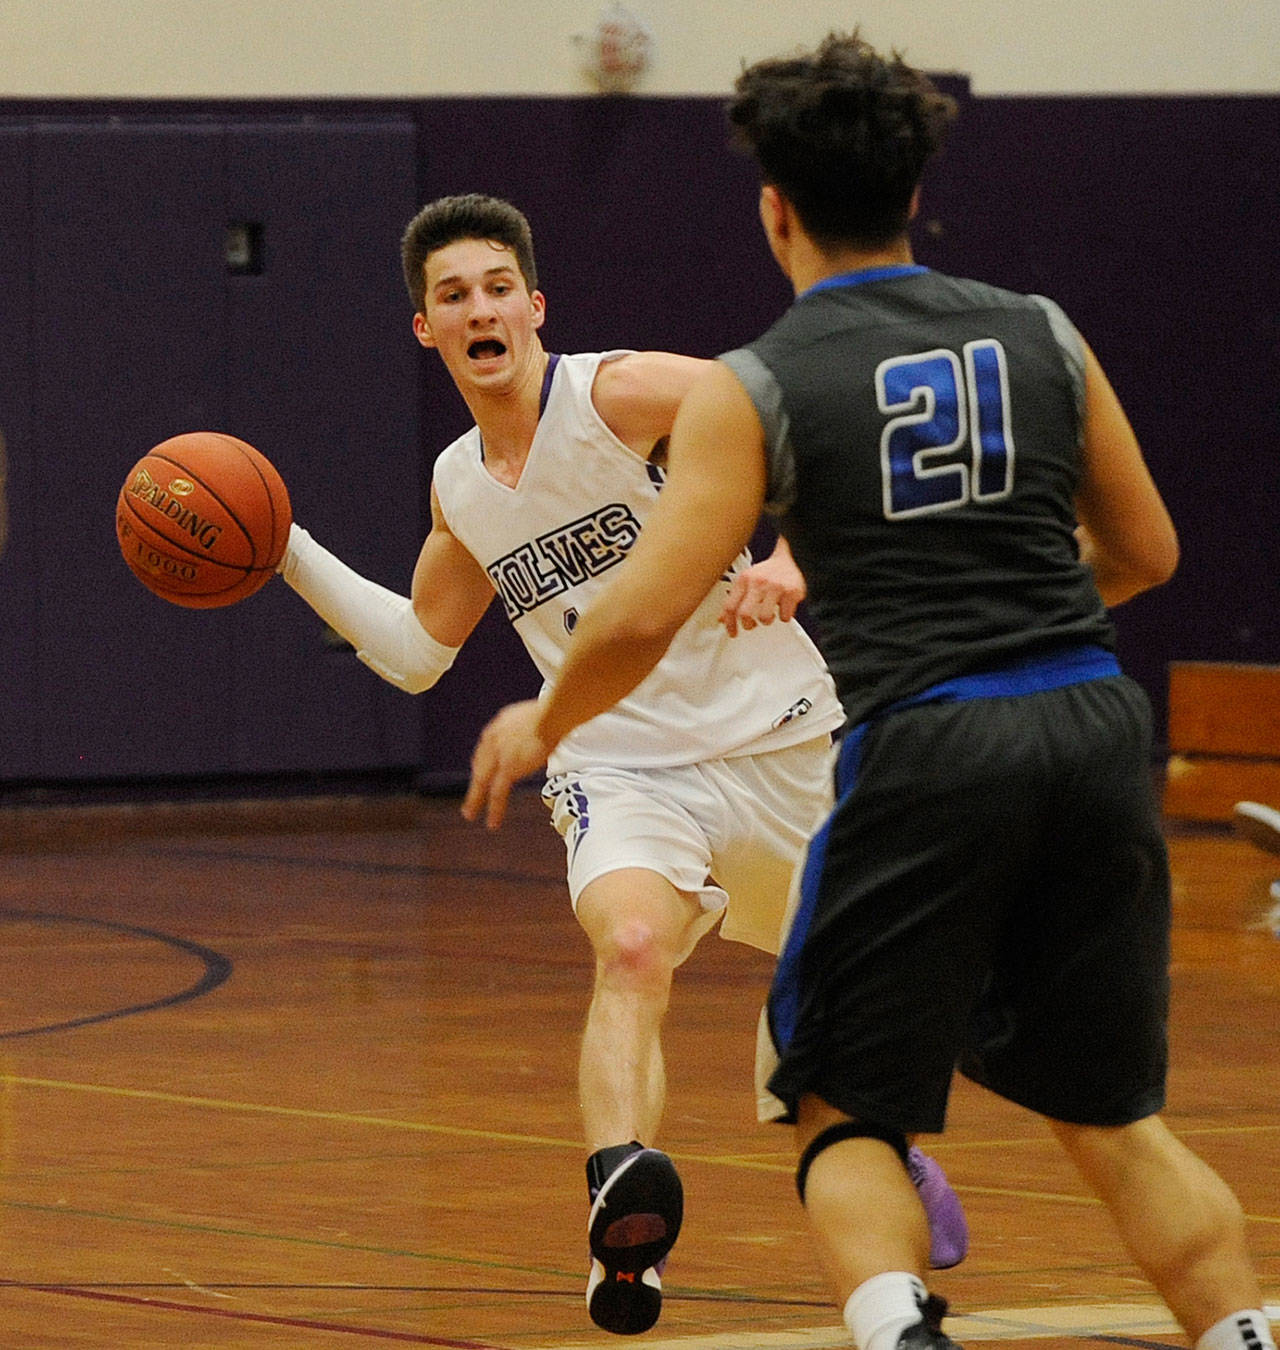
965, 497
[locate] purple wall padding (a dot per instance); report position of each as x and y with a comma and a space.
18, 741
133, 330
1149, 219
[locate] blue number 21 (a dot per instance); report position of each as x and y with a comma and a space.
949, 440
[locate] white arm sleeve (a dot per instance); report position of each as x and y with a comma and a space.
379, 624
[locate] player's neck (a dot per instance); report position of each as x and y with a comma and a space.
507, 417
809, 264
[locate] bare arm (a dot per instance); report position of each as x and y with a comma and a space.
638, 395
703, 517
1126, 535
451, 591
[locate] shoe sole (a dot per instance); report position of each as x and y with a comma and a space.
633, 1224
623, 1305
636, 1216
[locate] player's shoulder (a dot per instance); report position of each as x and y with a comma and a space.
972, 293
972, 288
967, 296
586, 366
577, 375
635, 395
460, 459
461, 448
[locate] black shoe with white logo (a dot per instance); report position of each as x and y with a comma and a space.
634, 1222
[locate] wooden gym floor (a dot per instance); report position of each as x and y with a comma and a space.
302, 1074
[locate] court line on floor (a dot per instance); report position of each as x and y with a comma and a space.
1110, 1323
270, 1319
290, 1239
217, 969
453, 1131
291, 1112
8, 1080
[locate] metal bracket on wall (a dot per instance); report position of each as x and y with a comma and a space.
242, 248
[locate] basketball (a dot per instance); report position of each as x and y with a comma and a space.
203, 519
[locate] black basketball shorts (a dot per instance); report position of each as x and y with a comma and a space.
990, 893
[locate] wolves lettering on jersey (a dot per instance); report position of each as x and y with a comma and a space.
562, 558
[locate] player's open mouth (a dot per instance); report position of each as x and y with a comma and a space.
486, 349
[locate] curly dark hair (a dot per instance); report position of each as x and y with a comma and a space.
844, 134
471, 216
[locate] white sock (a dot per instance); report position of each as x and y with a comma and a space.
880, 1309
1244, 1330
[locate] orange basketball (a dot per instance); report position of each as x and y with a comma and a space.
203, 519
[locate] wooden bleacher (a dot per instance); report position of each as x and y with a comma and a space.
1224, 738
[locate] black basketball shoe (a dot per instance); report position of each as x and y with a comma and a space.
633, 1224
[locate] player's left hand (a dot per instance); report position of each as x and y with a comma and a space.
508, 750
761, 593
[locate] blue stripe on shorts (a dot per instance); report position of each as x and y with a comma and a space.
1030, 675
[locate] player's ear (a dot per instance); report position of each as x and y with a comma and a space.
539, 303
775, 217
773, 211
914, 209
422, 330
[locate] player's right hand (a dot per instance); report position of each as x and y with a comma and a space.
508, 750
761, 593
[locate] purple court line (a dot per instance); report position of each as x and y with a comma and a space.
300, 1322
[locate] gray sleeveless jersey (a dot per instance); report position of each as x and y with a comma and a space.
923, 435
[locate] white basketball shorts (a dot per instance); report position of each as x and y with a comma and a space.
730, 831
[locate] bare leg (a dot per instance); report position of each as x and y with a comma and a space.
1178, 1219
865, 1212
639, 926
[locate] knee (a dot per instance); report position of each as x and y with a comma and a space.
634, 954
836, 1133
1210, 1236
1214, 1204
1132, 1167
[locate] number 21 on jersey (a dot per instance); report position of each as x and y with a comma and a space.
948, 441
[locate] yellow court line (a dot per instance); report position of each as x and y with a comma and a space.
943, 1146
8, 1081
1225, 1129
292, 1112
747, 1163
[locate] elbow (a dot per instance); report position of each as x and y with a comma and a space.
639, 619
647, 638
658, 631
640, 636
1122, 579
1169, 567
1160, 562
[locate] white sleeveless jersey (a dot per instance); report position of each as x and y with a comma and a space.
548, 545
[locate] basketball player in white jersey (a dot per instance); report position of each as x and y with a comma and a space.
688, 803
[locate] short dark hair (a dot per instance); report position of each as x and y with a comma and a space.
844, 134
471, 216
